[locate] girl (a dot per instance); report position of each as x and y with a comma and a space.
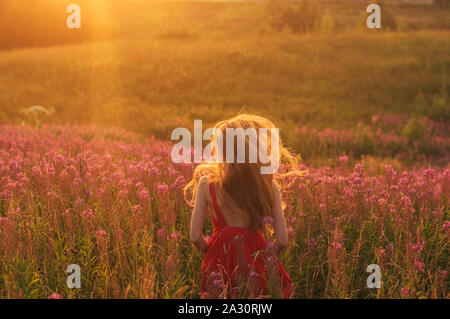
239, 261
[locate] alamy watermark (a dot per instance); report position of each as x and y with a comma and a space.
374, 279
213, 152
374, 19
74, 19
74, 279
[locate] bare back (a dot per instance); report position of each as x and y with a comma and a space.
234, 216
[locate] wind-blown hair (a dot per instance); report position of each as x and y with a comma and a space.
242, 183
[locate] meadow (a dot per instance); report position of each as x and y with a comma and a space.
111, 202
93, 183
186, 61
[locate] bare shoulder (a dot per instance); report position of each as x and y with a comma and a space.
202, 188
276, 188
203, 182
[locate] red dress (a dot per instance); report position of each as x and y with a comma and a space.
241, 257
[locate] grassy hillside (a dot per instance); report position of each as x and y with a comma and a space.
368, 110
176, 62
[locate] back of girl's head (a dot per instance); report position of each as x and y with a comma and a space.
242, 182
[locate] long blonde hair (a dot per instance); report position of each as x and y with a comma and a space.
243, 183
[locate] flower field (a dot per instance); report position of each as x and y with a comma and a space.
111, 202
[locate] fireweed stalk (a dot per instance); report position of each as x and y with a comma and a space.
111, 202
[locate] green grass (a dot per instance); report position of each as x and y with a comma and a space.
185, 61
155, 66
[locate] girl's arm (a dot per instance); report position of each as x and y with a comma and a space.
279, 220
199, 215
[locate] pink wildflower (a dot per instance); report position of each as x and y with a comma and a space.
162, 188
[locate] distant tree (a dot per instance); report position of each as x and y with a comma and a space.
388, 21
299, 17
275, 14
442, 3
